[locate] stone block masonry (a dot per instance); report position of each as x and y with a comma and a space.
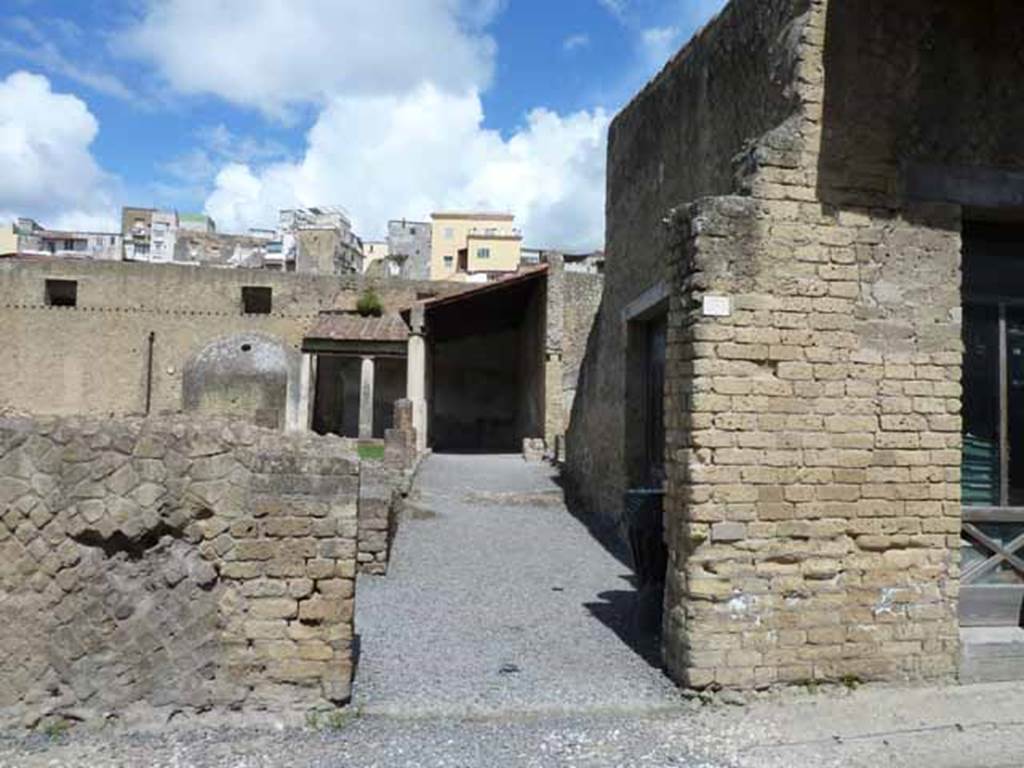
821, 185
148, 567
814, 440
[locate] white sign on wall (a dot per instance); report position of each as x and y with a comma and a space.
717, 306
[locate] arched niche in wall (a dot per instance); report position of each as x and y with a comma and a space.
248, 376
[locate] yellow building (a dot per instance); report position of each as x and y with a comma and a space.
8, 239
464, 244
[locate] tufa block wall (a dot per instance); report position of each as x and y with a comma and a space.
813, 505
149, 567
813, 500
674, 143
92, 359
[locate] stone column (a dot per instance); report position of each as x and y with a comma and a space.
366, 400
416, 377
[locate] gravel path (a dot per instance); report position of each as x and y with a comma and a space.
502, 603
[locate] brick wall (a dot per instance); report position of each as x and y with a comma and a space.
674, 143
148, 567
813, 504
814, 438
821, 184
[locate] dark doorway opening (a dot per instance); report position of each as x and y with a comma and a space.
992, 470
643, 513
338, 389
486, 380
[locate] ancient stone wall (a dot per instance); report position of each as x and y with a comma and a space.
148, 567
687, 135
921, 98
813, 414
581, 302
382, 486
93, 358
813, 494
814, 430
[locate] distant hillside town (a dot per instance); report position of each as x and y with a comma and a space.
460, 246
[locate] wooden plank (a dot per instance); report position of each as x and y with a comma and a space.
991, 606
993, 514
999, 552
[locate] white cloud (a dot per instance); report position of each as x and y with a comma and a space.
575, 42
40, 43
658, 44
272, 54
391, 156
48, 169
400, 130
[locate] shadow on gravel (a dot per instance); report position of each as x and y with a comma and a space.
608, 535
632, 617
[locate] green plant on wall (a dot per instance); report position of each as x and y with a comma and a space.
369, 304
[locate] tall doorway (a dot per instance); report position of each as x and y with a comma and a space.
992, 537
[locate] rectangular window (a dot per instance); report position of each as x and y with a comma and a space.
448, 261
483, 253
981, 408
61, 293
257, 300
449, 233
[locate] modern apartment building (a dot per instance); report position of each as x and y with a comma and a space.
26, 237
149, 234
409, 246
473, 245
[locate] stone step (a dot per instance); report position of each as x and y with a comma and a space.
991, 654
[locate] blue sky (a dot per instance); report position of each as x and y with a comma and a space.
390, 109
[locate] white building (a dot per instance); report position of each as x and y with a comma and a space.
27, 237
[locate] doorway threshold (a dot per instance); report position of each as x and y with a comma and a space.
991, 654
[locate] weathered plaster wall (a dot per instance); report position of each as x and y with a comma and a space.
683, 137
582, 301
92, 359
476, 393
921, 85
154, 566
244, 377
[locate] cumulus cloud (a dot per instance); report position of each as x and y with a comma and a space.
392, 156
48, 169
400, 129
275, 53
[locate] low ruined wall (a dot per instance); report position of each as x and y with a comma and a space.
382, 485
171, 566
